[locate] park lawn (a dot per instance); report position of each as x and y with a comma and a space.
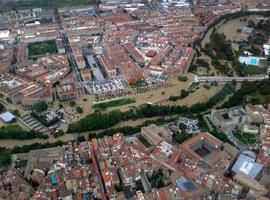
114, 103
144, 141
138, 84
11, 128
41, 48
264, 62
253, 70
246, 138
71, 3
22, 5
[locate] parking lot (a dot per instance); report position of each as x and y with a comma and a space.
69, 114
191, 124
149, 79
105, 86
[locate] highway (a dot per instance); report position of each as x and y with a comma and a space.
205, 79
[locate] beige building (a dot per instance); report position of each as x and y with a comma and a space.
155, 134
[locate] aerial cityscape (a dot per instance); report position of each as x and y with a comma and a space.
134, 99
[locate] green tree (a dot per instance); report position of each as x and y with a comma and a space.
81, 138
79, 109
2, 108
183, 93
72, 103
251, 24
181, 137
5, 157
16, 112
41, 106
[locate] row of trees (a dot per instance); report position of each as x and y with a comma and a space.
247, 88
16, 132
219, 47
96, 121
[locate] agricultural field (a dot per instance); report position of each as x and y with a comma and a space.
37, 49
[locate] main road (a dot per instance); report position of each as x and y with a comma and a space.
71, 58
205, 79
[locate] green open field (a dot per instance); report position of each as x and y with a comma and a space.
30, 4
71, 3
245, 138
138, 84
114, 103
264, 62
41, 48
253, 70
23, 4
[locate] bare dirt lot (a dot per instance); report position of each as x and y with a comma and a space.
232, 28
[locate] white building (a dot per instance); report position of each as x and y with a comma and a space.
4, 34
266, 48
